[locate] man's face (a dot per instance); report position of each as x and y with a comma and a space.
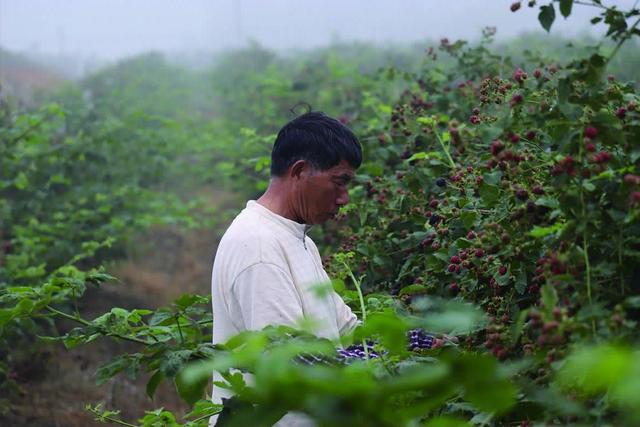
322, 193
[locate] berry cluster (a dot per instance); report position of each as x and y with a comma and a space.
418, 339
356, 352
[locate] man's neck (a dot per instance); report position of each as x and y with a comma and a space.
274, 200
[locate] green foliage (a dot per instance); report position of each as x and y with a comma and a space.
496, 208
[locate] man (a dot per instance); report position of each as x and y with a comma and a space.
266, 270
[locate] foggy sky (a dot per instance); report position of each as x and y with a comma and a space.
111, 29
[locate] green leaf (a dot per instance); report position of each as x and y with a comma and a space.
549, 297
492, 178
424, 155
427, 121
190, 391
490, 194
468, 218
521, 281
565, 7
153, 383
596, 369
21, 182
446, 421
549, 202
539, 232
547, 16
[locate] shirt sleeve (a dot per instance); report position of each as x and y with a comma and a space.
347, 321
265, 295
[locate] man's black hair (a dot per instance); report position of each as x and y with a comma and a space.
317, 138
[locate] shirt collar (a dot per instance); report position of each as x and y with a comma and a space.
299, 230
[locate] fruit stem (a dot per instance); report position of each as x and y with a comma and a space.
585, 251
445, 148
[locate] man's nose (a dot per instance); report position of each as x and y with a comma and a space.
343, 198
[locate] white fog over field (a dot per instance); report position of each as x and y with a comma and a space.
105, 30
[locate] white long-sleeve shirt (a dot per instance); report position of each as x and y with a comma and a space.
267, 272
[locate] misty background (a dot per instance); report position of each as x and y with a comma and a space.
79, 36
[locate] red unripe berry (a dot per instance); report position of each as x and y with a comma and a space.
515, 138
590, 132
522, 194
496, 147
500, 353
474, 119
516, 99
519, 75
537, 73
437, 343
452, 268
471, 235
549, 326
590, 147
433, 204
621, 112
602, 157
479, 253
537, 189
632, 179
502, 270
455, 260
454, 288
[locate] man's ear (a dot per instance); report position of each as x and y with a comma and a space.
299, 169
